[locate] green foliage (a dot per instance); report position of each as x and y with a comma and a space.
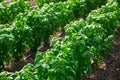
40, 3
9, 11
29, 29
46, 20
71, 57
27, 73
6, 44
105, 16
3, 76
23, 36
85, 42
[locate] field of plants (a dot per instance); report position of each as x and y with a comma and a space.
88, 27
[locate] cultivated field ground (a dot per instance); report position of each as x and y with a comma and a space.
60, 39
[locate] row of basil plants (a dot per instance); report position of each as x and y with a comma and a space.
85, 42
71, 57
30, 29
9, 11
51, 17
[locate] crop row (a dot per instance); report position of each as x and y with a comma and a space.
71, 58
54, 16
86, 41
29, 30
